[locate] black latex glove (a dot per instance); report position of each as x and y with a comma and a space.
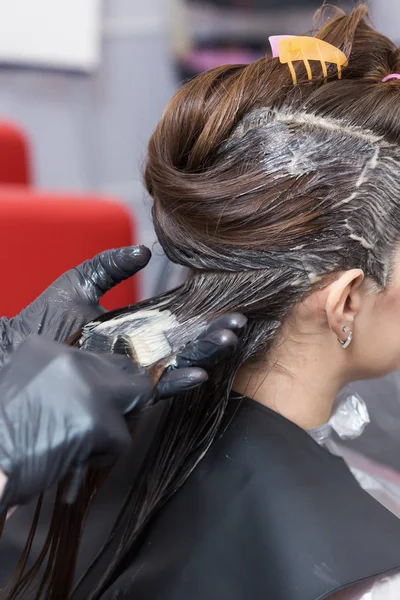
213, 346
61, 407
73, 299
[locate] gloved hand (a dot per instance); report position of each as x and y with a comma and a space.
212, 347
61, 407
73, 299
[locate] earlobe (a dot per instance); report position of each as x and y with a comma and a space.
343, 304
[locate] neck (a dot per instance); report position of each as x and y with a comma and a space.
296, 383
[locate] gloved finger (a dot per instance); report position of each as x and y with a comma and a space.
109, 268
107, 456
234, 321
207, 351
132, 385
110, 450
134, 393
180, 380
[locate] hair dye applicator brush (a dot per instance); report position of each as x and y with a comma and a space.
151, 338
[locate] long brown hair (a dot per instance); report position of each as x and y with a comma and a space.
262, 189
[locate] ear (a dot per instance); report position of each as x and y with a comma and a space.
343, 301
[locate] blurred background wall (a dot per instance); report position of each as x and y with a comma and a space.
89, 127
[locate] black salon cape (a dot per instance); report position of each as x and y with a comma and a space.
268, 514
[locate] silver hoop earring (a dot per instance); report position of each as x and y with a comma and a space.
346, 342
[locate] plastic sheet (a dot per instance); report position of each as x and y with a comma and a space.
350, 416
386, 587
349, 420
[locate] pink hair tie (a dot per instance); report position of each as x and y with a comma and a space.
392, 76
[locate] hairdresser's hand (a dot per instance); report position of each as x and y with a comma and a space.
60, 408
73, 299
213, 346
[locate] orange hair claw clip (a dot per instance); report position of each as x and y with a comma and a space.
290, 49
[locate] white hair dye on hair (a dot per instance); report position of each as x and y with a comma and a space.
148, 335
357, 169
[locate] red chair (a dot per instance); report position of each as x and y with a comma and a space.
15, 163
44, 234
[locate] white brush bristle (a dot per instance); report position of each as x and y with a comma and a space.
150, 347
146, 330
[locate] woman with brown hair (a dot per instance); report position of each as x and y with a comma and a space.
284, 202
